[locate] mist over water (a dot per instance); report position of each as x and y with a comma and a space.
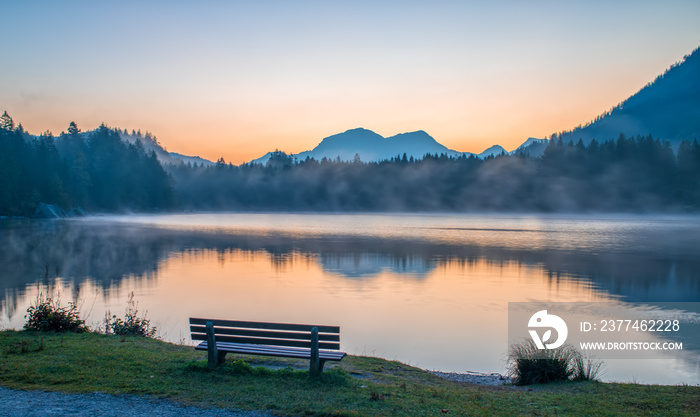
430, 290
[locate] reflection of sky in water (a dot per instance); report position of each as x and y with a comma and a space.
581, 233
413, 288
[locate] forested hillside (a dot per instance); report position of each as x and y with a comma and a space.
667, 108
96, 172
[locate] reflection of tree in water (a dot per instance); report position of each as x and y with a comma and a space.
42, 253
35, 251
106, 253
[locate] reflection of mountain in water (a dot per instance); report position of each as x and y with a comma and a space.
106, 253
362, 265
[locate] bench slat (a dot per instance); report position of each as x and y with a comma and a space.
264, 325
272, 351
264, 348
264, 333
262, 341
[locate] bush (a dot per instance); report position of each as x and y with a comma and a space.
48, 315
586, 369
529, 365
131, 324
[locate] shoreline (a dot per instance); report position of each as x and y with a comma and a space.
472, 377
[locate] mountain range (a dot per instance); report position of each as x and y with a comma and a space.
667, 108
372, 147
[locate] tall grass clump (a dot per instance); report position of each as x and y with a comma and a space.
131, 324
586, 368
529, 365
47, 314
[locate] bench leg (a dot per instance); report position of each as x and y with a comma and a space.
316, 366
213, 356
222, 357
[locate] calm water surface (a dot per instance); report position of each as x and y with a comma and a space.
429, 290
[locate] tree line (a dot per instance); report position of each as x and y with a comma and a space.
100, 171
628, 174
94, 172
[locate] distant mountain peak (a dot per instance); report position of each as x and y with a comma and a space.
532, 147
372, 147
530, 141
417, 132
358, 130
417, 135
492, 151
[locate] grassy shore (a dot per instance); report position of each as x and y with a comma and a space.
357, 386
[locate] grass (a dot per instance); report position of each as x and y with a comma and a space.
357, 386
529, 365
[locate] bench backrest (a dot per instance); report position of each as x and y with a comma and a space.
260, 333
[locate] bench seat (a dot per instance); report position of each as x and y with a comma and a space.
278, 351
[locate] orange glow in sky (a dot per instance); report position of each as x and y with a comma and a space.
239, 79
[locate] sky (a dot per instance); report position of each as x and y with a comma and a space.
236, 79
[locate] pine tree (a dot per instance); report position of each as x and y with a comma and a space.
73, 129
6, 122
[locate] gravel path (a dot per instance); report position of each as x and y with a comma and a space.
42, 403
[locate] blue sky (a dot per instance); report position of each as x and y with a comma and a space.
236, 79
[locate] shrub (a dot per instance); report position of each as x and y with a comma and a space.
48, 315
529, 365
131, 324
586, 369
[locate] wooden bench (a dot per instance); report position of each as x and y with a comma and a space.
316, 343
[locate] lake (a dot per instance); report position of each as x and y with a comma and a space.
430, 290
